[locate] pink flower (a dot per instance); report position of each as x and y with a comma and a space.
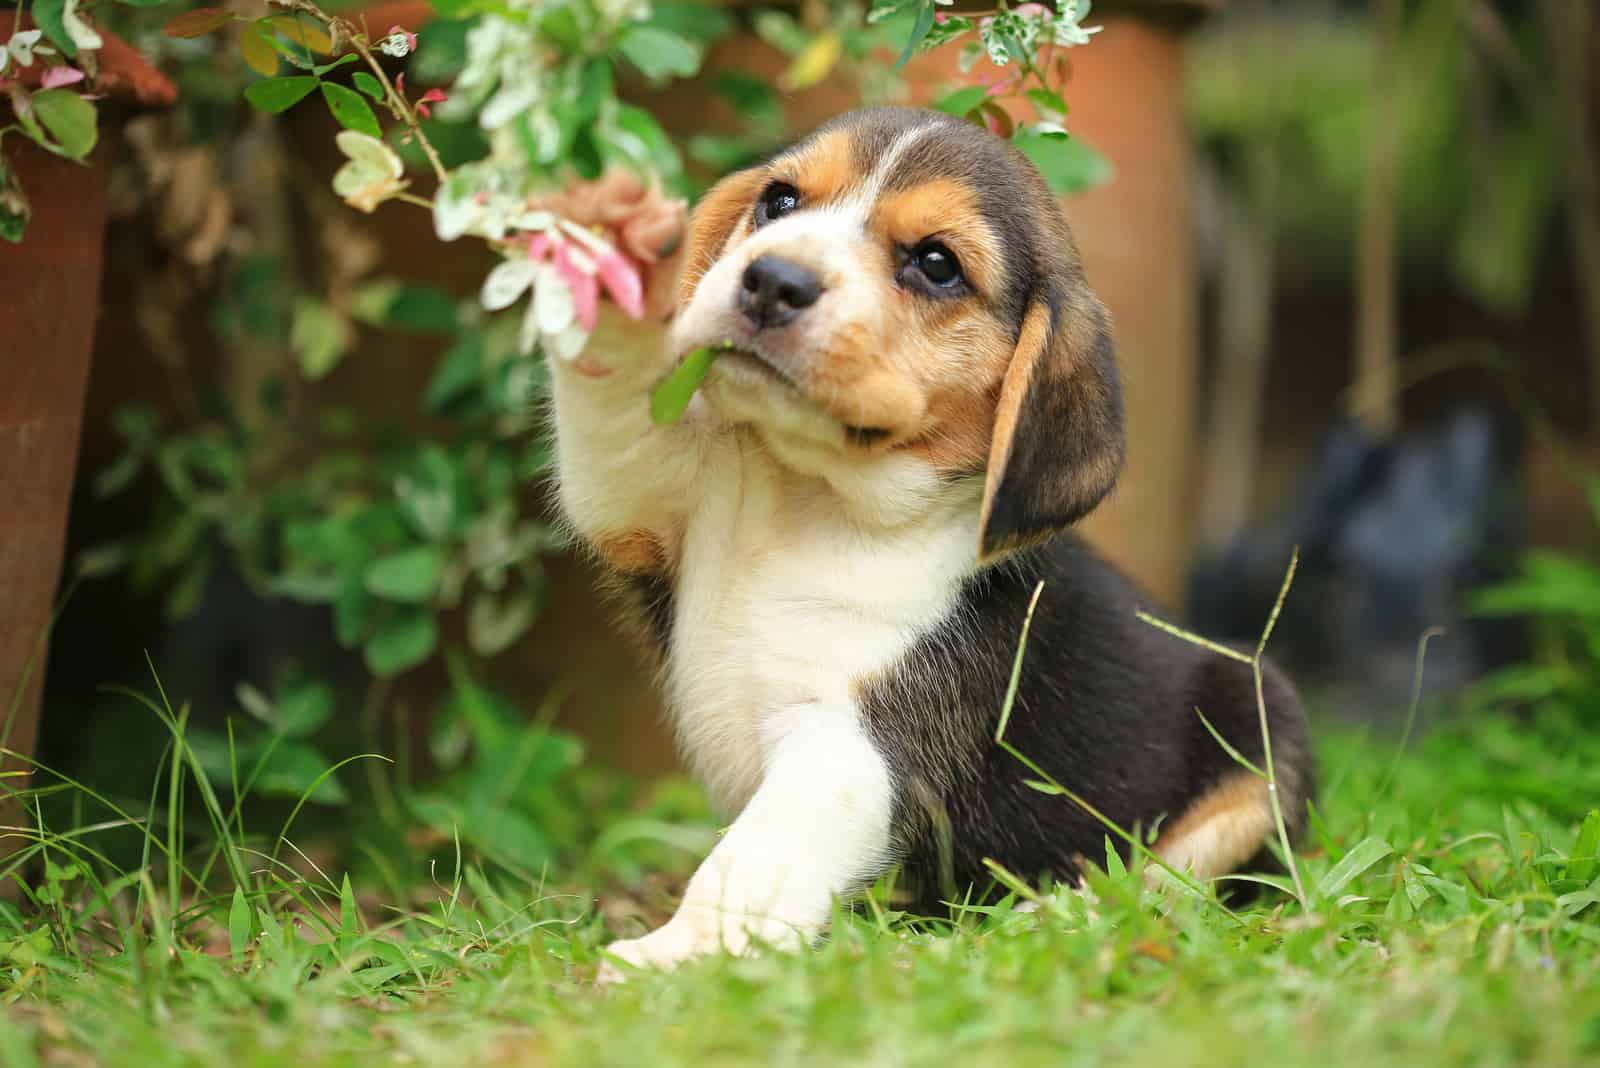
623, 283
584, 267
432, 96
57, 76
585, 289
616, 236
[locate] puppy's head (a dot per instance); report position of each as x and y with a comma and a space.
903, 281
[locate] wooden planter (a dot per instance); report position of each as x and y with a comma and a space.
49, 298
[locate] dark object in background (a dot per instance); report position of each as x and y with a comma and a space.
1391, 534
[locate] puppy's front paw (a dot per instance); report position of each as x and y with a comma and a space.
661, 949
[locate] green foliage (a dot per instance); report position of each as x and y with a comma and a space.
671, 398
69, 118
50, 16
350, 110
1558, 595
1477, 148
1067, 163
1456, 922
660, 54
280, 94
397, 533
388, 531
1029, 45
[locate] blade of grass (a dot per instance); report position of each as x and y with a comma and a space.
1257, 677
1411, 709
1266, 733
208, 796
1238, 757
999, 736
1016, 665
148, 824
305, 795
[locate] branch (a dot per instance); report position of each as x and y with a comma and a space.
342, 29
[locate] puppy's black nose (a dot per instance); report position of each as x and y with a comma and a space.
775, 291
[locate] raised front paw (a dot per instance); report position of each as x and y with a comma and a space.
642, 223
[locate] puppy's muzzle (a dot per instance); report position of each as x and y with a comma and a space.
774, 291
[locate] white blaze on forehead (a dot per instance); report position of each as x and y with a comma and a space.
858, 204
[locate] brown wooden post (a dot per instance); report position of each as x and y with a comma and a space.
49, 299
49, 292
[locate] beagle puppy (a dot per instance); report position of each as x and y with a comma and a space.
832, 553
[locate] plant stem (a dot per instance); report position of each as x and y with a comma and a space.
399, 106
1266, 735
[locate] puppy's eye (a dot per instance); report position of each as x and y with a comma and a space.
937, 263
779, 199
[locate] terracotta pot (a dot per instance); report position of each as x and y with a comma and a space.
49, 295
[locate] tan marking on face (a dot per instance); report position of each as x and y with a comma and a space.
963, 365
945, 379
946, 209
915, 370
633, 552
928, 371
1223, 829
956, 439
823, 170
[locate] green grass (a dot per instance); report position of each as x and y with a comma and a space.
1454, 920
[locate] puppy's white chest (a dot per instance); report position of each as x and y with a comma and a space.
782, 605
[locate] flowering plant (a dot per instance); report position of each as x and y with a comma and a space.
42, 76
518, 140
538, 79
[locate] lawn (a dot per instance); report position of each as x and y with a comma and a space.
1454, 919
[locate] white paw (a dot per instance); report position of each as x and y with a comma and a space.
695, 934
661, 949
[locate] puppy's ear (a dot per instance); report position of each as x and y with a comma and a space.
1058, 432
714, 219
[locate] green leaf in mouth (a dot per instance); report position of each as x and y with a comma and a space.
671, 398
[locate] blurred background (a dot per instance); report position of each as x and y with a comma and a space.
1352, 250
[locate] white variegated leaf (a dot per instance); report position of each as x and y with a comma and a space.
552, 302
507, 282
83, 35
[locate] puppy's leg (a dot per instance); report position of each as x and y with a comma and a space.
1222, 829
818, 825
626, 484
